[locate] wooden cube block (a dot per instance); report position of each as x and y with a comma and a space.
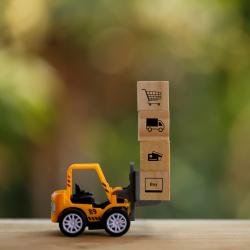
153, 95
153, 125
154, 185
155, 155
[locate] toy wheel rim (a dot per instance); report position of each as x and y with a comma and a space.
116, 223
72, 223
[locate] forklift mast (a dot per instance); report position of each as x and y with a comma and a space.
132, 192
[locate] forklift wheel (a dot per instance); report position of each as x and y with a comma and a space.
72, 222
116, 222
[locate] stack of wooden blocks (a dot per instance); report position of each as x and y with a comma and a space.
153, 135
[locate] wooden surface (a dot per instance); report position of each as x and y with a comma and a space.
143, 235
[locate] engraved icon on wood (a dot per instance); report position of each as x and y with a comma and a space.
154, 97
154, 124
153, 185
154, 156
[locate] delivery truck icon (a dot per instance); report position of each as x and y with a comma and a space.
154, 124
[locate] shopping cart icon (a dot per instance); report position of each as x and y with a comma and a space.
154, 97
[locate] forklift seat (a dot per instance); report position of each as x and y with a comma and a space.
81, 196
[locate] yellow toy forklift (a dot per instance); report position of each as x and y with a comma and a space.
74, 208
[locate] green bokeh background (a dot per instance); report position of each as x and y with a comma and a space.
68, 73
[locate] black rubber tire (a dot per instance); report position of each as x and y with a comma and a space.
79, 214
111, 212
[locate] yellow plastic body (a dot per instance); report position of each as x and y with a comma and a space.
61, 199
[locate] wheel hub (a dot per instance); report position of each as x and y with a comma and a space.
116, 223
72, 223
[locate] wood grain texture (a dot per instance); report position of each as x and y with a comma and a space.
143, 234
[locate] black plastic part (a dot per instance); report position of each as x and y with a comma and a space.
81, 196
85, 199
95, 225
119, 200
132, 192
101, 205
129, 191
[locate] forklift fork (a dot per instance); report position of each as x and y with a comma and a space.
132, 192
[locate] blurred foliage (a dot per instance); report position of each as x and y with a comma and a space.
68, 72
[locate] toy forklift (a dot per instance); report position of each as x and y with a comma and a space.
75, 210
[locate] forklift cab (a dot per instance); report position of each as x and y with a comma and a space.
88, 188
84, 197
75, 208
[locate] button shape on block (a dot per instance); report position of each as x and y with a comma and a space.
153, 95
153, 125
154, 185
